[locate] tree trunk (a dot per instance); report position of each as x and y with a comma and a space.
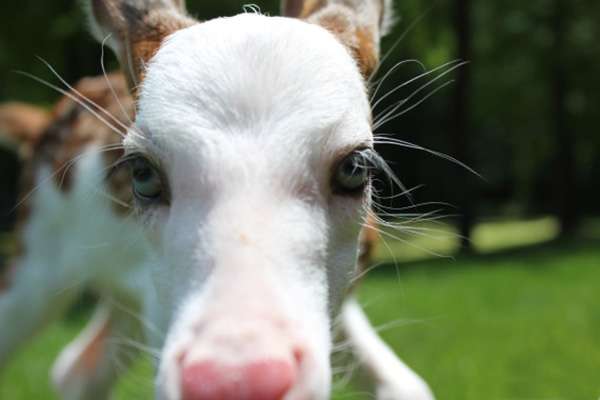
461, 128
566, 182
9, 181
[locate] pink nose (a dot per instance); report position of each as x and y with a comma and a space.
259, 380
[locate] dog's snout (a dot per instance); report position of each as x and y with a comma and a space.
269, 379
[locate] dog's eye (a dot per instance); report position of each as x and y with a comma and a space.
147, 183
352, 174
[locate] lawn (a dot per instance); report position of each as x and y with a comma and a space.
513, 323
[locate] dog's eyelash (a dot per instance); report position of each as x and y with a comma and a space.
375, 163
123, 162
353, 172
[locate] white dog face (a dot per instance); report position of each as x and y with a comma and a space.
250, 167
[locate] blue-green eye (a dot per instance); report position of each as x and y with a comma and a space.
352, 173
147, 182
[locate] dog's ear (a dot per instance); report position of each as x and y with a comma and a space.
358, 24
135, 29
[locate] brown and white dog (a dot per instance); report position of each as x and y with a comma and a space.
226, 236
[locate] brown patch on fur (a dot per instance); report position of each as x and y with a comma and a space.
6, 275
368, 240
147, 37
302, 8
73, 129
310, 7
93, 352
342, 19
22, 125
358, 40
365, 51
57, 141
369, 237
338, 24
140, 28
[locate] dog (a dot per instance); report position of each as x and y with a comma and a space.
216, 194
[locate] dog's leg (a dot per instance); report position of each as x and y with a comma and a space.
90, 365
393, 379
31, 300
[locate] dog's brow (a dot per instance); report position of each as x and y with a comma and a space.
358, 146
144, 144
343, 152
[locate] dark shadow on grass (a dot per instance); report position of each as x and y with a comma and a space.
532, 253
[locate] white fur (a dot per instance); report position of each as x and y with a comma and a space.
269, 221
254, 254
393, 379
72, 241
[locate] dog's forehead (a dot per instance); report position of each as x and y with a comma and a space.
252, 74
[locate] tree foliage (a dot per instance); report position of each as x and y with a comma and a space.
512, 118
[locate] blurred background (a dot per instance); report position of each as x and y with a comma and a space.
489, 289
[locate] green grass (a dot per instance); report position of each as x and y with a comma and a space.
513, 324
520, 326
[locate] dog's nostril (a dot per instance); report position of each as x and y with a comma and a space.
258, 380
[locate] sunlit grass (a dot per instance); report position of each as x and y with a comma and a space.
500, 235
522, 326
426, 240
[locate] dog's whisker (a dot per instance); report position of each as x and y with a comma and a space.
397, 111
358, 277
75, 99
85, 99
384, 115
391, 108
408, 225
397, 42
382, 166
404, 193
410, 81
389, 73
137, 316
402, 143
410, 244
401, 323
69, 164
154, 353
109, 84
61, 170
